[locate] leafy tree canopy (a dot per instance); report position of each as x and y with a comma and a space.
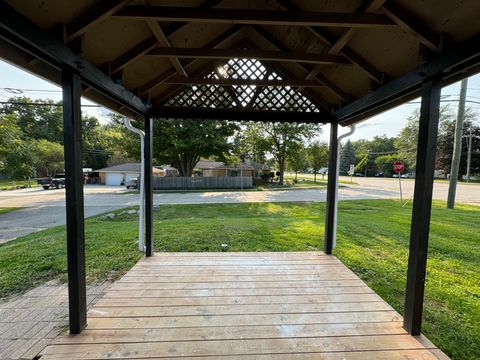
183, 142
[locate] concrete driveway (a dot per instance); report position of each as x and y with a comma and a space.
41, 209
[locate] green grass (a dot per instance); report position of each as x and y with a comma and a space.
372, 240
6, 210
8, 184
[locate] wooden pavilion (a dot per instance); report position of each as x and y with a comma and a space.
336, 62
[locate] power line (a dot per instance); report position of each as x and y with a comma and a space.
40, 104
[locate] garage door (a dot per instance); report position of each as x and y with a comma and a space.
113, 179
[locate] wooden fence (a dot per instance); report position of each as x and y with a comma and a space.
201, 182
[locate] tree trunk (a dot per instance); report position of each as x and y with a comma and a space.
281, 164
296, 175
315, 176
185, 164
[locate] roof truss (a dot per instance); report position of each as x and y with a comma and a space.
251, 17
240, 85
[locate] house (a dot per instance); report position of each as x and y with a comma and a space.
118, 174
210, 168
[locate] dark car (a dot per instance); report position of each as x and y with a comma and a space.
132, 183
57, 182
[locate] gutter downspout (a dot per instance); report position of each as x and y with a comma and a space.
340, 138
141, 220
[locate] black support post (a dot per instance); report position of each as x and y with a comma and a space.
148, 186
330, 221
422, 204
71, 84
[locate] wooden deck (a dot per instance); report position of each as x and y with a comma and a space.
242, 306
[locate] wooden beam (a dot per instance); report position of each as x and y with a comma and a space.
131, 55
140, 49
342, 41
95, 14
251, 17
240, 114
305, 67
422, 204
329, 39
410, 23
458, 61
206, 53
30, 38
159, 79
180, 80
163, 41
72, 124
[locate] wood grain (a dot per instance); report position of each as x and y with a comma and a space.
242, 306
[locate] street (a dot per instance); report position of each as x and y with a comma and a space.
41, 209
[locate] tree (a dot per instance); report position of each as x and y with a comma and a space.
38, 119
248, 141
347, 158
10, 138
406, 141
297, 159
318, 156
367, 151
49, 157
182, 142
280, 139
20, 163
443, 160
384, 164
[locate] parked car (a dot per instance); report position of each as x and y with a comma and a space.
359, 174
57, 182
132, 183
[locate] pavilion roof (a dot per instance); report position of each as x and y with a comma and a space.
305, 60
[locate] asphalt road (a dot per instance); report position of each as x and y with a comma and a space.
41, 209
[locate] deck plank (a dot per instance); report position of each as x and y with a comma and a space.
242, 306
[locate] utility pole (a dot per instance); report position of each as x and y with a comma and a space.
457, 145
469, 153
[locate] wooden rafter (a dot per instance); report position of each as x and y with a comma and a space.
250, 53
92, 16
305, 67
131, 55
342, 41
330, 39
163, 41
145, 46
180, 80
159, 79
251, 17
347, 35
410, 23
240, 114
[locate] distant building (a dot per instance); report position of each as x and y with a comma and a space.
209, 168
118, 174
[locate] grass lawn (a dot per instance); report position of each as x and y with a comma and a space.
6, 210
372, 240
8, 184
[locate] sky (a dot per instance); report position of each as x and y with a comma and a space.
388, 123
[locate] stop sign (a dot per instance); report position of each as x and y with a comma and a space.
398, 166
